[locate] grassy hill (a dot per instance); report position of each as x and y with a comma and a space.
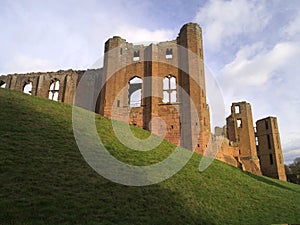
44, 179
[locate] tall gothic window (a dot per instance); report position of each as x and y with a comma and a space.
27, 88
135, 92
54, 90
169, 89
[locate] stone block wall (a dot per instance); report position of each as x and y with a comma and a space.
180, 59
41, 83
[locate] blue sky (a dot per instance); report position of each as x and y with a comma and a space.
251, 47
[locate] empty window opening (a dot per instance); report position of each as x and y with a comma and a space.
135, 92
121, 51
169, 53
256, 141
239, 123
118, 103
2, 84
198, 145
172, 126
169, 89
271, 159
54, 90
269, 141
136, 55
237, 109
27, 88
267, 124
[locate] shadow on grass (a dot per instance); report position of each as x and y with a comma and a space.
269, 182
46, 180
62, 197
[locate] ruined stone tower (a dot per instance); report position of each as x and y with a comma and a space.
161, 88
168, 82
269, 148
240, 130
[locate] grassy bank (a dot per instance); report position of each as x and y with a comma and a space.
44, 178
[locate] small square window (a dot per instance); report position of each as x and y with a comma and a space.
239, 123
169, 53
237, 109
136, 55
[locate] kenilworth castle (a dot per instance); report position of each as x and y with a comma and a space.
157, 78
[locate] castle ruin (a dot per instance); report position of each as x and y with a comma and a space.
167, 81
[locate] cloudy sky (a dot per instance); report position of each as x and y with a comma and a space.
252, 47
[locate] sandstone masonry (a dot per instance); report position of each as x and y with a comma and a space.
166, 81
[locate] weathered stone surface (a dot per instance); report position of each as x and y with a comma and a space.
269, 148
185, 116
41, 83
153, 65
259, 152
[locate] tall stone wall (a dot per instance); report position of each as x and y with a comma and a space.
262, 147
186, 119
41, 83
241, 131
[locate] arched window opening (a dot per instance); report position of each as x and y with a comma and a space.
135, 92
27, 88
54, 90
169, 89
2, 84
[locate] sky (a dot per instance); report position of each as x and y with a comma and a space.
252, 47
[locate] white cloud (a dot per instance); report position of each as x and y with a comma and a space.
254, 66
32, 37
23, 63
293, 27
291, 155
138, 34
223, 20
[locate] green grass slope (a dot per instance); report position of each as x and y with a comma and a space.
45, 180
